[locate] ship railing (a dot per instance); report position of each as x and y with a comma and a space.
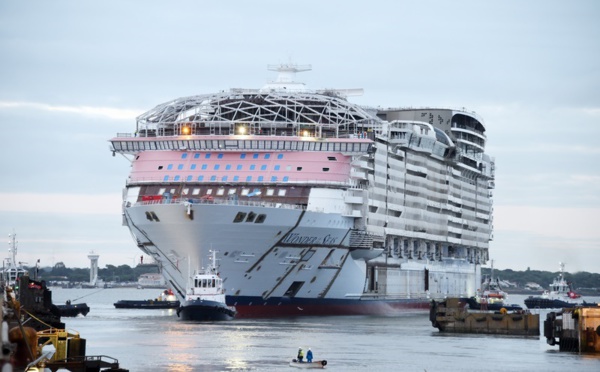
250, 203
291, 181
375, 296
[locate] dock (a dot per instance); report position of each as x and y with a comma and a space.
453, 316
574, 329
30, 321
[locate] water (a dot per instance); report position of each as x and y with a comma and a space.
157, 340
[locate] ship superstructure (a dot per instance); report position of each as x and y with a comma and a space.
317, 205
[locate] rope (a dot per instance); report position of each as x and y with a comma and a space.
38, 319
89, 294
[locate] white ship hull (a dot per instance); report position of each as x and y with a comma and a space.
261, 262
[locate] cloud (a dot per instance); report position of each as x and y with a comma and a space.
108, 112
574, 223
546, 148
61, 203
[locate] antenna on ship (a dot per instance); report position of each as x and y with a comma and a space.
287, 71
286, 77
562, 268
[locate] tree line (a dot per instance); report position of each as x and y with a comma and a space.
111, 273
126, 273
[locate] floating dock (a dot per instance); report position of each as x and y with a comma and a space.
453, 315
574, 329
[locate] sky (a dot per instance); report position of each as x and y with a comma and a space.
73, 74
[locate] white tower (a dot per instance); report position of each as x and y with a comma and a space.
93, 268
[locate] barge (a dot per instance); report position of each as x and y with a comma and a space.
453, 315
574, 329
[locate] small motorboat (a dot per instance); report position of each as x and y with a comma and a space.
314, 364
166, 300
73, 310
205, 298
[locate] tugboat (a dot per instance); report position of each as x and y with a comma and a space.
205, 298
491, 296
561, 295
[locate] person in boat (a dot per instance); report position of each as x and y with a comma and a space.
300, 355
309, 356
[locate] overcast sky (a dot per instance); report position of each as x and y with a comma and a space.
73, 74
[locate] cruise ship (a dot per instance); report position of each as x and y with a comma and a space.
315, 205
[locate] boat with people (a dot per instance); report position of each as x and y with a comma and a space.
300, 362
315, 364
165, 300
319, 206
560, 295
205, 297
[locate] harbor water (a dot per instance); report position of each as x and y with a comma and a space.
157, 340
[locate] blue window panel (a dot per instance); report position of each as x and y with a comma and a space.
189, 178
273, 178
216, 166
263, 167
255, 156
277, 167
170, 166
204, 166
267, 156
248, 178
224, 178
200, 178
220, 156
184, 155
196, 156
177, 178
236, 178
228, 167
193, 166
242, 156
213, 178
285, 178
208, 156
239, 167
180, 167
260, 178
280, 156
252, 166
166, 178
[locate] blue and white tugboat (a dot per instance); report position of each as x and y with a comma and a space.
205, 298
